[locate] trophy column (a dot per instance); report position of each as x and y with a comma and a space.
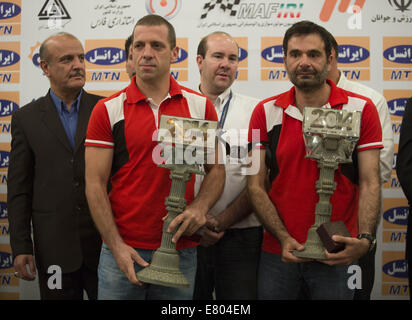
330, 138
183, 157
324, 187
164, 269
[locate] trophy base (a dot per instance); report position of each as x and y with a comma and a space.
163, 278
311, 253
164, 270
314, 248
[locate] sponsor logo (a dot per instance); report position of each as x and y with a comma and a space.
397, 269
3, 206
9, 62
398, 15
4, 159
229, 6
181, 56
7, 107
53, 9
395, 215
402, 5
273, 54
168, 9
397, 62
4, 223
106, 56
396, 100
9, 10
242, 72
394, 237
272, 67
399, 54
9, 102
344, 6
250, 13
6, 260
54, 13
242, 54
180, 68
3, 210
10, 18
7, 278
398, 216
34, 54
8, 58
4, 162
397, 106
393, 185
394, 274
105, 64
350, 54
354, 57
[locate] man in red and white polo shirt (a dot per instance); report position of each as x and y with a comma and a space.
119, 144
287, 210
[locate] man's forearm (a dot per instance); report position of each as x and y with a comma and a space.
267, 214
369, 191
102, 214
211, 188
239, 209
369, 207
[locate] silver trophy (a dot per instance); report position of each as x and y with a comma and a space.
330, 138
186, 145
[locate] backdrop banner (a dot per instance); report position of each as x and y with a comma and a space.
375, 48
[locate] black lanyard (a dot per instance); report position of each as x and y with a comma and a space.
224, 112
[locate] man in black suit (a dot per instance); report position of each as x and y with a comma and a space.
404, 172
46, 186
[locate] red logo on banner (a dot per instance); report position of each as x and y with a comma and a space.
165, 8
329, 7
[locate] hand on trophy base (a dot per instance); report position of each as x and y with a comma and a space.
313, 253
164, 270
313, 247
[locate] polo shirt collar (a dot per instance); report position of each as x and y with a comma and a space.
134, 95
337, 97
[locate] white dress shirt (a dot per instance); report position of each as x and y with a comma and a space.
386, 154
235, 134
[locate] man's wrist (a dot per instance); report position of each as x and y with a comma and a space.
369, 238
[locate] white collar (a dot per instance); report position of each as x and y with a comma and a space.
222, 98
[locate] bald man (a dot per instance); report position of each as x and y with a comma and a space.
46, 180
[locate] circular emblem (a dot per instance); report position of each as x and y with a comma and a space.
165, 8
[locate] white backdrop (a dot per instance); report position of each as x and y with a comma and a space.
375, 41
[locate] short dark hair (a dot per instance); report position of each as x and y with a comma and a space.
127, 44
202, 47
305, 28
156, 20
334, 45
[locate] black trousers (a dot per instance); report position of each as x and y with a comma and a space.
73, 285
230, 267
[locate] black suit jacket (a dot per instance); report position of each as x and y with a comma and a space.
404, 168
46, 187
